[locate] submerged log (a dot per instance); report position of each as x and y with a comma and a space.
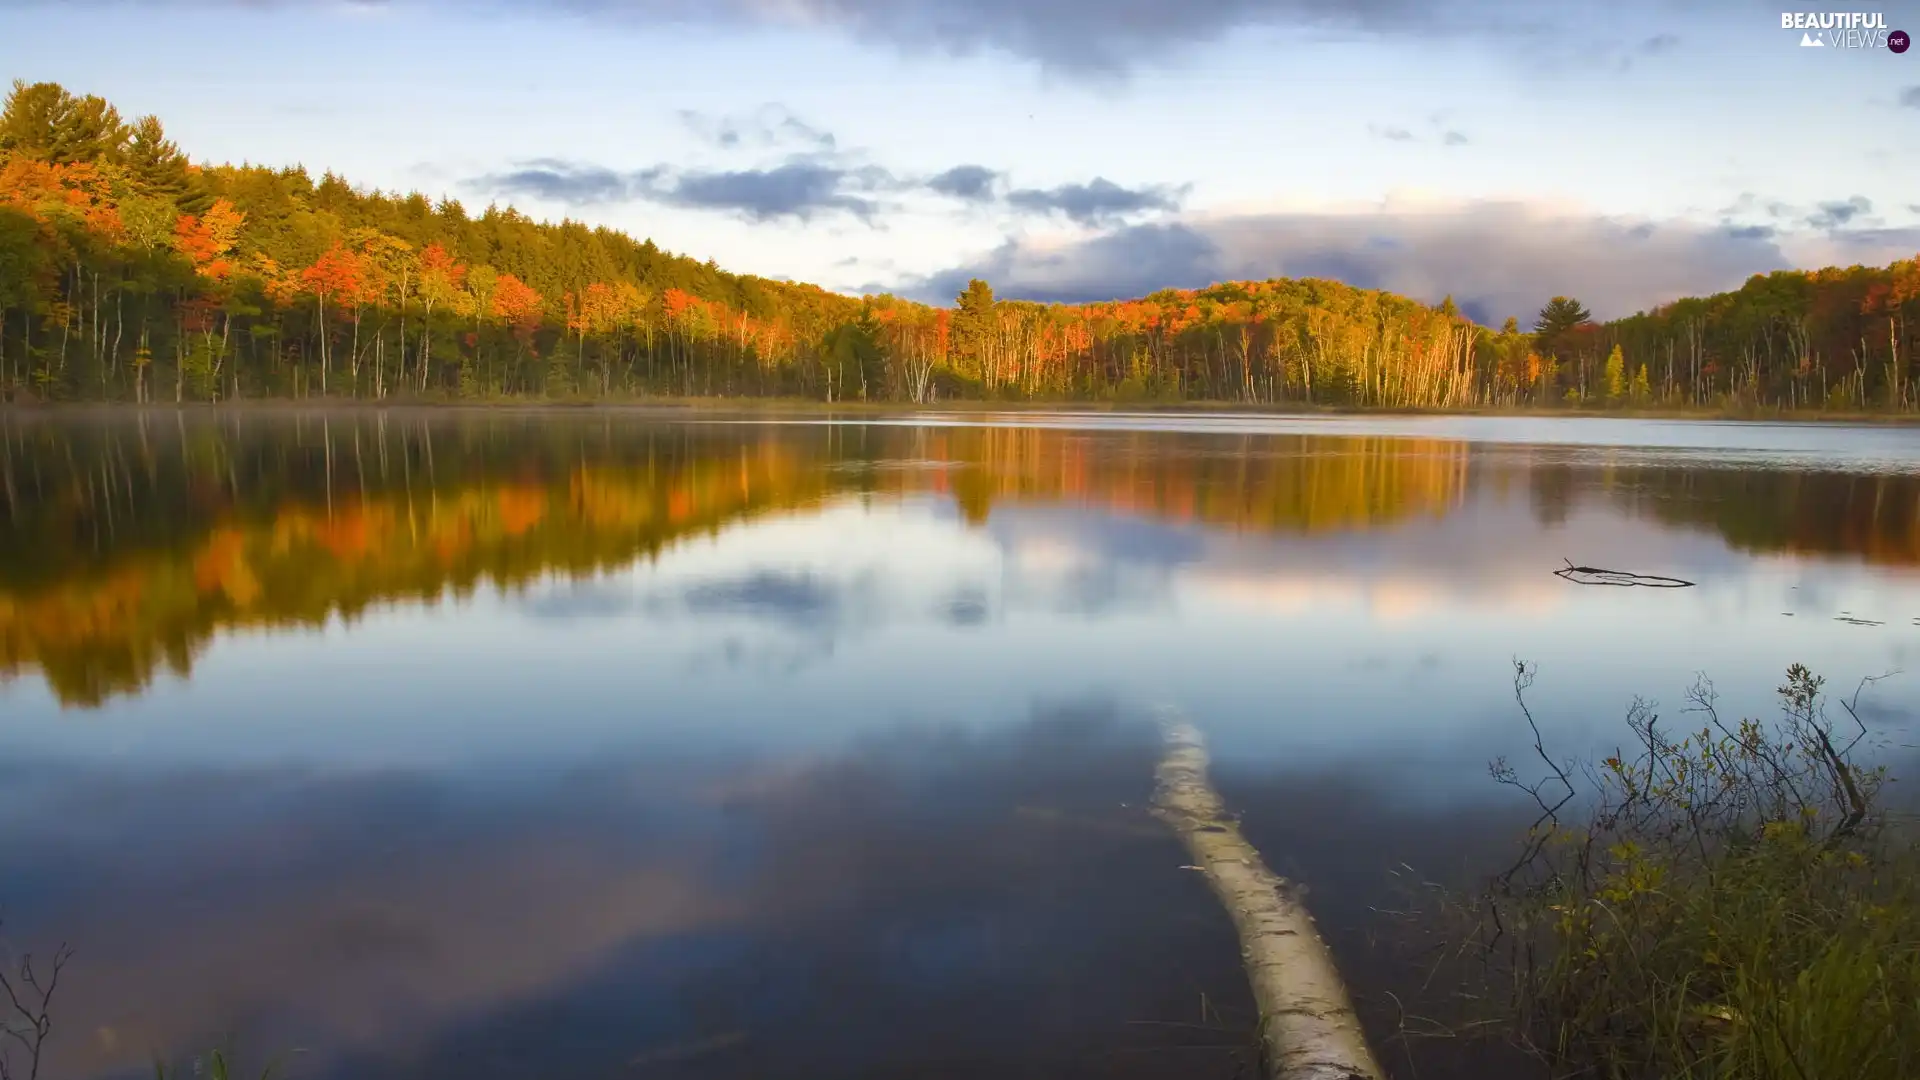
1308, 1029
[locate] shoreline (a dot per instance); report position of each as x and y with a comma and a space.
686, 407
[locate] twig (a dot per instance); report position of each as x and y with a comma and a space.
1594, 575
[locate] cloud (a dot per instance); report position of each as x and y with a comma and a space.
1132, 261
1659, 43
1444, 135
972, 183
800, 189
1098, 202
1833, 215
805, 186
554, 180
770, 125
1910, 97
1497, 258
1098, 38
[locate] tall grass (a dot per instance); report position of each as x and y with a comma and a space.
1721, 901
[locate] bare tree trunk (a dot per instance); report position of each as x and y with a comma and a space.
1308, 1028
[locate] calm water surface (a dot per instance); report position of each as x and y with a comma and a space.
594, 744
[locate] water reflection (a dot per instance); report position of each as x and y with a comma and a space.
473, 744
128, 546
930, 902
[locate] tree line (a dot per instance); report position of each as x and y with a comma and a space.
130, 273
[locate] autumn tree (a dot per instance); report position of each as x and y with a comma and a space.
339, 272
442, 284
120, 260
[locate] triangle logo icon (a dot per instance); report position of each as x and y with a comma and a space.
1808, 41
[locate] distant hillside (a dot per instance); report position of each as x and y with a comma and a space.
129, 273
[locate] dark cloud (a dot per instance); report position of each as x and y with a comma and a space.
800, 189
770, 125
1910, 97
806, 186
1095, 38
1833, 215
558, 181
973, 183
1660, 43
1132, 261
1454, 138
1095, 203
1495, 258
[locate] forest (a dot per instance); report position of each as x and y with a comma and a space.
130, 273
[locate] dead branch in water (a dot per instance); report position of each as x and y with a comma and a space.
1594, 575
1308, 1028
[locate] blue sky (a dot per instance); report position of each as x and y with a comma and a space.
1625, 152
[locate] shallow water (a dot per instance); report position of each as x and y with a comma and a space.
601, 744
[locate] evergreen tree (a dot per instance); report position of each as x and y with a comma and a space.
45, 122
1561, 314
154, 162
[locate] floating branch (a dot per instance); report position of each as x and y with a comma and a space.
1308, 1029
1594, 575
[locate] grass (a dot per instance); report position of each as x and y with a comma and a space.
1725, 901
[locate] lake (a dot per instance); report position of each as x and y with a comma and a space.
601, 743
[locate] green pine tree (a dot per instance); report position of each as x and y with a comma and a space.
1561, 315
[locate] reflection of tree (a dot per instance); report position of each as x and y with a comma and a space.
1552, 490
1873, 517
128, 546
124, 547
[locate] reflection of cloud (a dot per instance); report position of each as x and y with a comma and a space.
796, 599
968, 606
931, 889
801, 599
336, 912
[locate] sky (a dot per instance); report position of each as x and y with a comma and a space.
1500, 151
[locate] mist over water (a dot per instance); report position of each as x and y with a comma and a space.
442, 744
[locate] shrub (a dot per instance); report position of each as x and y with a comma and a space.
1733, 902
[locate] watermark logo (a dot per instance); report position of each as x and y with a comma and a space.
1843, 30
